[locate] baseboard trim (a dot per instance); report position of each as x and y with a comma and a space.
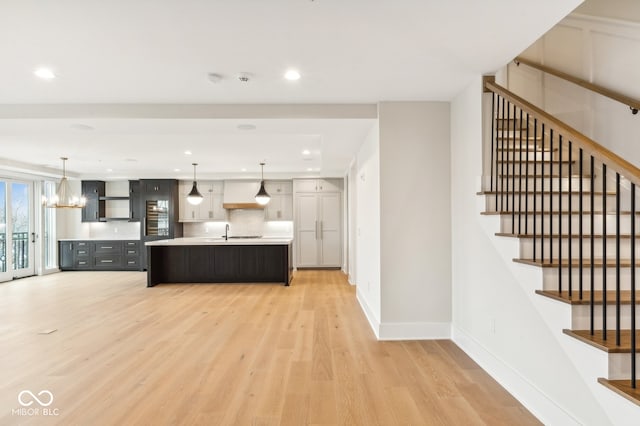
368, 313
541, 406
415, 330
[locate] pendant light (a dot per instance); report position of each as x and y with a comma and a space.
194, 197
64, 198
262, 197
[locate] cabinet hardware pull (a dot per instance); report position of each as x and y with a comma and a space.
106, 247
316, 229
82, 263
106, 261
321, 228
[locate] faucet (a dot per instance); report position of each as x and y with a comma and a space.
226, 232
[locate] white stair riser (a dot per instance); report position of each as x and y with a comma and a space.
620, 366
520, 168
526, 248
550, 278
514, 155
580, 318
525, 203
507, 183
550, 223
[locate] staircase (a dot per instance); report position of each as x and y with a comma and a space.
572, 206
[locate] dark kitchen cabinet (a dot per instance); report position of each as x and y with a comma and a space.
65, 254
94, 209
135, 209
159, 209
103, 255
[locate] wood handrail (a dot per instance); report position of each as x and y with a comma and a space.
589, 146
633, 104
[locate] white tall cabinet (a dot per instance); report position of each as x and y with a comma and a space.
318, 222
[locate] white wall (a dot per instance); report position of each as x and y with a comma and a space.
367, 211
415, 220
351, 220
601, 51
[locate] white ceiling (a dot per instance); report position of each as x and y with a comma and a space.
161, 51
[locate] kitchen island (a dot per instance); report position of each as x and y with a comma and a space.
216, 260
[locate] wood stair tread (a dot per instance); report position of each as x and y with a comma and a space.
586, 263
622, 388
526, 148
576, 192
584, 236
517, 137
596, 340
555, 212
536, 161
625, 297
544, 176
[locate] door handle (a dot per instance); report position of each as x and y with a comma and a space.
33, 237
144, 226
316, 229
321, 228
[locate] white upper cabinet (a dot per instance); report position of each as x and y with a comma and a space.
317, 185
280, 206
211, 207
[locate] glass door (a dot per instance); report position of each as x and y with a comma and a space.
16, 230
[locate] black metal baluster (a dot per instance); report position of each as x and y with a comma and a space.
513, 172
526, 187
535, 182
618, 259
560, 214
520, 175
494, 117
502, 163
570, 215
604, 253
580, 236
633, 285
542, 153
551, 195
592, 250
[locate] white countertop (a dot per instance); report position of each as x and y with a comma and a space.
101, 239
220, 241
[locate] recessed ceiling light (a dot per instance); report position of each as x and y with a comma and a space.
188, 153
109, 170
292, 75
44, 73
130, 160
309, 169
244, 169
306, 152
176, 170
246, 127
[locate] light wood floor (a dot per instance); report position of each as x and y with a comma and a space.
124, 354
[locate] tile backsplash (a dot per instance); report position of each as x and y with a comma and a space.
114, 230
241, 223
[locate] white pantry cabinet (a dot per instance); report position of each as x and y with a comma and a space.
318, 223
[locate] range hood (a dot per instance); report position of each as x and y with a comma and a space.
241, 194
